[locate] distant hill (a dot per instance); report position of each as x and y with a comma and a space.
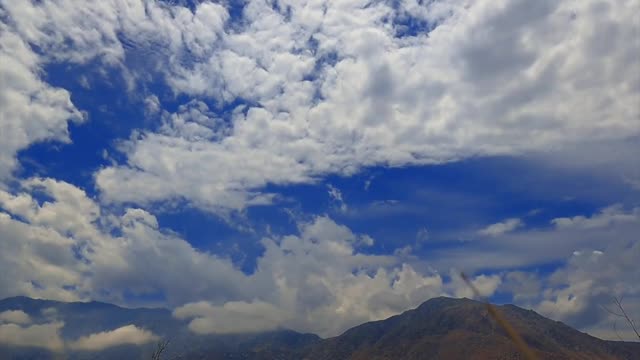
85, 318
440, 328
445, 328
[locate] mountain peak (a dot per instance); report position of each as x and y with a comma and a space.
440, 328
451, 328
448, 301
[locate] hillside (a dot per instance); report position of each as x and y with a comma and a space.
85, 318
440, 328
445, 328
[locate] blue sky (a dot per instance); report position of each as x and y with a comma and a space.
325, 163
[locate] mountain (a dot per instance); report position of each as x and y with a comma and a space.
440, 328
445, 328
83, 318
86, 318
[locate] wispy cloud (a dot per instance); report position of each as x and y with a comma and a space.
502, 227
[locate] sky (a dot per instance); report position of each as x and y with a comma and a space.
313, 165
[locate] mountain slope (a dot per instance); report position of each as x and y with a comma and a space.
85, 318
440, 328
82, 318
444, 328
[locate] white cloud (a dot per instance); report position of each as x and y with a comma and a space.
232, 317
336, 195
81, 31
599, 255
152, 105
333, 89
326, 302
486, 285
422, 235
608, 216
577, 292
32, 255
42, 335
532, 246
68, 241
30, 109
524, 286
185, 145
47, 336
126, 335
15, 317
318, 280
501, 228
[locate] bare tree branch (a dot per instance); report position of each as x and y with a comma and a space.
611, 311
622, 314
626, 317
161, 347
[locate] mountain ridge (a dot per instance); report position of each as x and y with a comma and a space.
435, 329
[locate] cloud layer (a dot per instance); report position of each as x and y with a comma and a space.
38, 335
319, 280
331, 87
68, 248
490, 78
15, 317
14, 331
126, 335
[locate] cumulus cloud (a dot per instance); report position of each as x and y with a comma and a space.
126, 335
117, 26
80, 32
232, 317
15, 317
582, 291
40, 335
599, 256
577, 292
65, 249
488, 76
47, 335
319, 279
486, 285
501, 227
333, 87
30, 109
